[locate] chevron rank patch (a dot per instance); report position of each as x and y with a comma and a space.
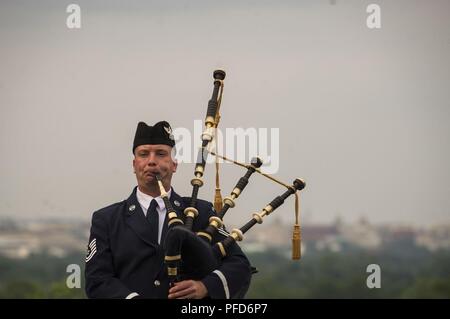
92, 249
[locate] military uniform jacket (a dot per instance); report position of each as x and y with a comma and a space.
123, 260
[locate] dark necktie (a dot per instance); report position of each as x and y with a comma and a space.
153, 219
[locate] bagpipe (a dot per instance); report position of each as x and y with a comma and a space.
194, 255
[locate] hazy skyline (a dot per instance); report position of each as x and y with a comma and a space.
363, 115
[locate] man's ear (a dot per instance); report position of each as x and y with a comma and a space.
175, 165
134, 169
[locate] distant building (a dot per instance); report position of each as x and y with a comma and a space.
361, 234
322, 237
438, 237
56, 238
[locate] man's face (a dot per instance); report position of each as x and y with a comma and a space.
150, 160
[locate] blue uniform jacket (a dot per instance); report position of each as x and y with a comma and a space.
123, 261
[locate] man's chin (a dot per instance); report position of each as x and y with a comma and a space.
150, 181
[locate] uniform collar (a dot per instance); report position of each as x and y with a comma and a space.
133, 205
145, 199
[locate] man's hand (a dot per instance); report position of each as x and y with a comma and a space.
188, 289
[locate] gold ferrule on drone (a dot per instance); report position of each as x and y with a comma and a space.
208, 133
191, 212
172, 271
199, 170
267, 210
197, 181
229, 200
237, 234
236, 192
206, 235
172, 258
215, 221
222, 249
258, 217
175, 220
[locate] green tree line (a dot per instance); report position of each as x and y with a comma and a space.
405, 273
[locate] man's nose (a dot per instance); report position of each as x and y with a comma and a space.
152, 159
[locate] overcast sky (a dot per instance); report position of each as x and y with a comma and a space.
363, 114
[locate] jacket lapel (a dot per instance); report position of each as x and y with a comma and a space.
135, 218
